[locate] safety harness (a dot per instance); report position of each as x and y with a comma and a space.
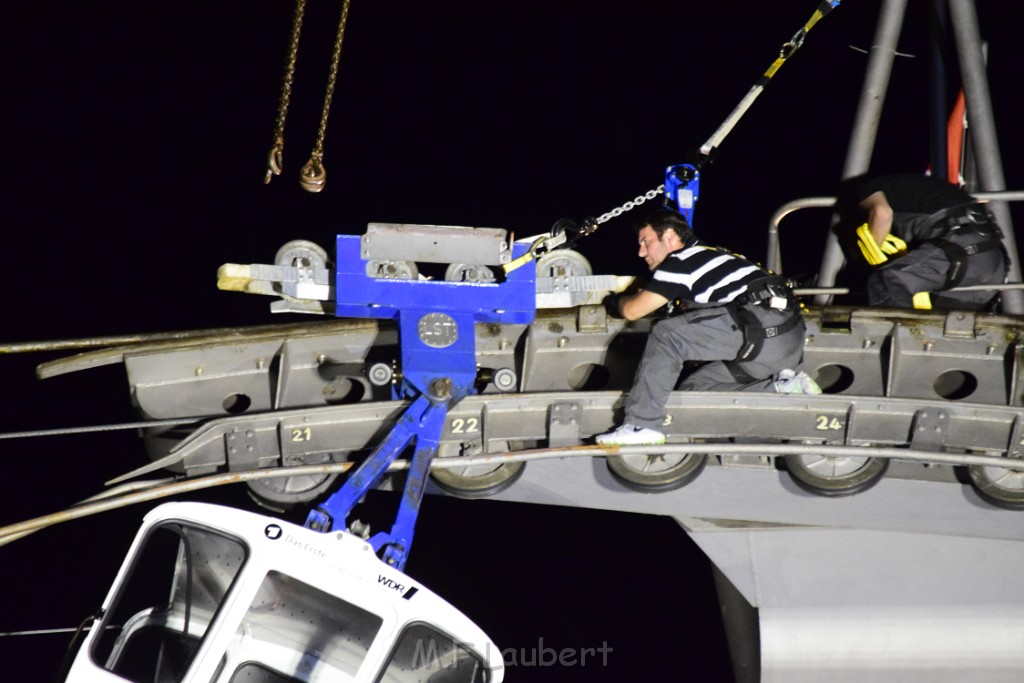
961, 220
772, 292
957, 256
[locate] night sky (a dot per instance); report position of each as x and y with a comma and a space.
135, 143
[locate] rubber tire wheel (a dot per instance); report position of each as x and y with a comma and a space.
986, 480
835, 486
473, 486
629, 471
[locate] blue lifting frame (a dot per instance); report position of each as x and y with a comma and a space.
437, 340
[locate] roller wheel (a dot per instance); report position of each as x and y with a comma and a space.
481, 481
392, 270
649, 473
280, 494
835, 476
563, 263
303, 254
999, 486
467, 272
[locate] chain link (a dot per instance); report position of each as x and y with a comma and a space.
275, 158
313, 175
628, 206
332, 78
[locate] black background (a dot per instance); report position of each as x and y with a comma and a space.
133, 151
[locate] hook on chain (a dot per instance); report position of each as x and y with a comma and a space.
275, 160
313, 175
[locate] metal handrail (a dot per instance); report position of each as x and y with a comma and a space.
774, 257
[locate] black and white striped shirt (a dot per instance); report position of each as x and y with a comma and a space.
703, 275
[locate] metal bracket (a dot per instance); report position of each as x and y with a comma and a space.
591, 319
960, 325
564, 425
243, 453
929, 429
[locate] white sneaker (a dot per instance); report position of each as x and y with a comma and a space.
631, 435
791, 382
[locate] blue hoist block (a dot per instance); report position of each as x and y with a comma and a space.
682, 188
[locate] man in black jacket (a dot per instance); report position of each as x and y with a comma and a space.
921, 236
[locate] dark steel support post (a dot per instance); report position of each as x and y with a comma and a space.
865, 127
983, 134
938, 107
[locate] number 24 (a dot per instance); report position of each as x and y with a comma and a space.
825, 423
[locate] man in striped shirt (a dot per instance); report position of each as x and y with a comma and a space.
723, 309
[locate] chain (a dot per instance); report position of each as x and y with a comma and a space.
275, 159
628, 206
313, 175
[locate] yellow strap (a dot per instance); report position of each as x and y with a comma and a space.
516, 263
872, 254
923, 301
527, 257
893, 245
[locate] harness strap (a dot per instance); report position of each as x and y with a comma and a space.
957, 256
755, 334
963, 215
739, 374
773, 289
